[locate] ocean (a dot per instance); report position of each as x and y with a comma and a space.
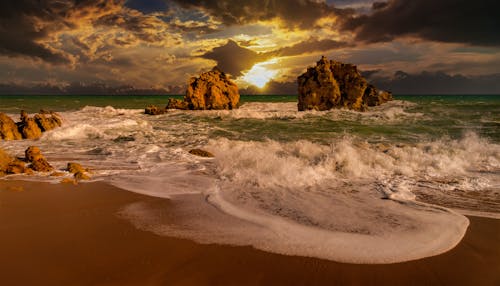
388, 185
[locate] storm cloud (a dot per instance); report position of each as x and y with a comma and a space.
457, 21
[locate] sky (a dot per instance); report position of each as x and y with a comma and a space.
155, 46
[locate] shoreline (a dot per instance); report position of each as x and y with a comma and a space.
58, 234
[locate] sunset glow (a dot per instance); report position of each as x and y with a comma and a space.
259, 75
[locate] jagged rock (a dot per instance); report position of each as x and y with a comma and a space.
80, 173
211, 90
201, 153
37, 160
8, 128
47, 120
177, 104
333, 84
28, 127
154, 110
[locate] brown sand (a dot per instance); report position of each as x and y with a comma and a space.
70, 235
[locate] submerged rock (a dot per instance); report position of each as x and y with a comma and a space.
211, 90
154, 110
201, 153
332, 84
8, 128
37, 160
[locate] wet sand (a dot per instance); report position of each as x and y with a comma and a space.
71, 235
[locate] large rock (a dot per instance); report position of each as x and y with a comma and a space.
8, 128
212, 90
177, 104
332, 84
37, 160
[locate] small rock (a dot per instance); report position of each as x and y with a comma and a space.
80, 173
154, 110
177, 104
57, 174
37, 160
201, 153
68, 181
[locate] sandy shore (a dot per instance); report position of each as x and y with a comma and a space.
71, 235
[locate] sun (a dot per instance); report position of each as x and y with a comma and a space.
259, 75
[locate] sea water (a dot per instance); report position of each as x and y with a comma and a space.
383, 186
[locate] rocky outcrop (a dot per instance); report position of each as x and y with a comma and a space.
28, 127
37, 160
332, 84
12, 165
211, 90
8, 128
154, 110
201, 153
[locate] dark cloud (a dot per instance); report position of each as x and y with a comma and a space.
272, 87
459, 21
81, 89
233, 59
311, 45
294, 13
438, 83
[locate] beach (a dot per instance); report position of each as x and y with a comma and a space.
60, 234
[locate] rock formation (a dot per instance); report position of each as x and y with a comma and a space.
332, 84
28, 127
154, 110
37, 160
8, 128
212, 90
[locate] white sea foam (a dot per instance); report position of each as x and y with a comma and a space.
345, 199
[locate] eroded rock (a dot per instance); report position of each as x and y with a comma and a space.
211, 90
332, 84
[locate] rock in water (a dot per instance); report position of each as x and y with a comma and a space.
332, 84
177, 104
212, 90
154, 110
80, 173
37, 160
47, 120
8, 128
28, 127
